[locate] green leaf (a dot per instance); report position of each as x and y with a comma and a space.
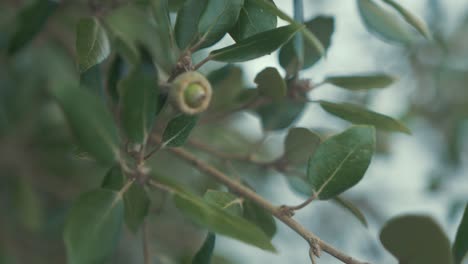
136, 201
416, 239
92, 44
279, 115
255, 46
352, 209
30, 21
178, 130
460, 246
341, 161
90, 122
300, 144
220, 221
359, 115
271, 84
139, 103
224, 200
114, 75
207, 19
300, 186
383, 23
361, 82
309, 36
93, 225
214, 218
253, 19
205, 253
260, 217
410, 18
323, 27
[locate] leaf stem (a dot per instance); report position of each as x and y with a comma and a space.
201, 63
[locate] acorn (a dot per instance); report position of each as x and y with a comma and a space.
190, 92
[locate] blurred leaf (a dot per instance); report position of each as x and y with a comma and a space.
227, 83
361, 82
255, 46
300, 144
208, 19
114, 75
271, 84
91, 79
31, 210
323, 27
139, 103
205, 253
300, 186
341, 161
383, 23
219, 221
92, 44
178, 130
460, 246
136, 201
31, 20
416, 239
90, 122
410, 18
253, 19
360, 115
224, 200
279, 115
263, 219
93, 226
347, 205
309, 36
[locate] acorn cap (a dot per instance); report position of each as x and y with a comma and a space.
190, 93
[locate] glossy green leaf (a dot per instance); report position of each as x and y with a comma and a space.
279, 115
136, 201
205, 253
93, 225
360, 115
416, 239
207, 19
224, 200
30, 21
255, 46
263, 219
347, 205
90, 122
300, 144
341, 161
413, 20
92, 44
323, 27
460, 246
219, 221
361, 82
253, 19
308, 36
271, 84
383, 23
139, 103
115, 73
178, 130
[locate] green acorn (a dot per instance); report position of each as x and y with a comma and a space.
191, 93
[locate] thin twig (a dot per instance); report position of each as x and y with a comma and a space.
201, 63
249, 194
146, 246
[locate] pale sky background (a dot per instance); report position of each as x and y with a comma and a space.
394, 184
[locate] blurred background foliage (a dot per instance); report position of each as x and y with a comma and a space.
42, 171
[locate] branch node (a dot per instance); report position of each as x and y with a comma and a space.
286, 211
